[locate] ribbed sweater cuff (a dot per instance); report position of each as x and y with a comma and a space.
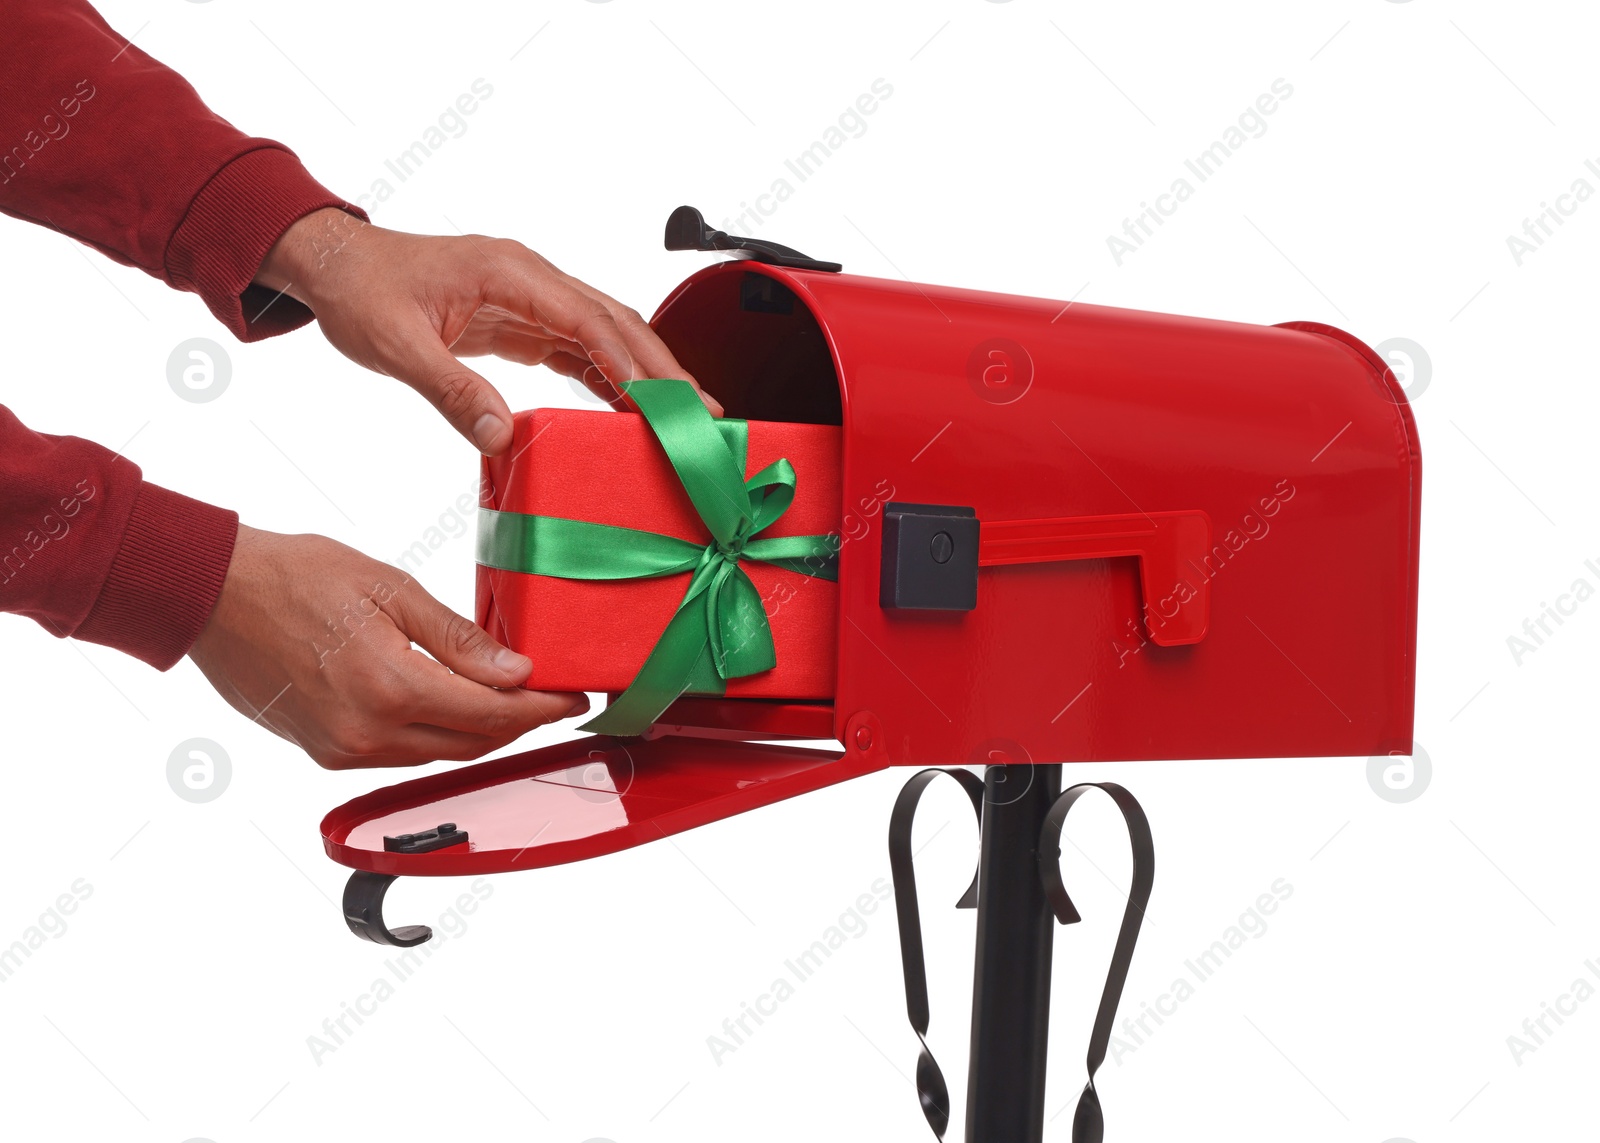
231, 224
165, 578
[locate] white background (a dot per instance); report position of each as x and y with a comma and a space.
577, 1005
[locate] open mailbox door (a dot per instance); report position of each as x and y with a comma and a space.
571, 801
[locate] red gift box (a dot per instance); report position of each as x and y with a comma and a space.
608, 468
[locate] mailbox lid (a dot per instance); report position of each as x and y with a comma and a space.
1296, 443
575, 800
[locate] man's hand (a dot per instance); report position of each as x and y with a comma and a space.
314, 640
408, 306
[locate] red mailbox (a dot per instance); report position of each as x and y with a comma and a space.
1197, 539
1071, 533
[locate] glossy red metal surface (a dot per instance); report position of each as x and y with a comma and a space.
1295, 442
576, 800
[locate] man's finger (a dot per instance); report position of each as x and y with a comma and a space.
416, 746
466, 400
568, 308
454, 702
583, 371
454, 640
651, 357
538, 295
523, 344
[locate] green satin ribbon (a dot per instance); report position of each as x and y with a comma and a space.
720, 630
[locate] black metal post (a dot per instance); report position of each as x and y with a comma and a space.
1011, 981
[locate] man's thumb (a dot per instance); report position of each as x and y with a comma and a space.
455, 640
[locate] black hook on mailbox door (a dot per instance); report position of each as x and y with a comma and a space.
364, 892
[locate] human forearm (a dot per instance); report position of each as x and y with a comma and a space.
102, 142
91, 550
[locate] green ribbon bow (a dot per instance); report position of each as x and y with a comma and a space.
720, 630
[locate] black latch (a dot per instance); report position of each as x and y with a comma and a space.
930, 558
427, 841
687, 230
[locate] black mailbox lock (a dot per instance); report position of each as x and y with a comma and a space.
930, 558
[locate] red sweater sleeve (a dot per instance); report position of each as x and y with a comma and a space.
91, 550
109, 146
101, 142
